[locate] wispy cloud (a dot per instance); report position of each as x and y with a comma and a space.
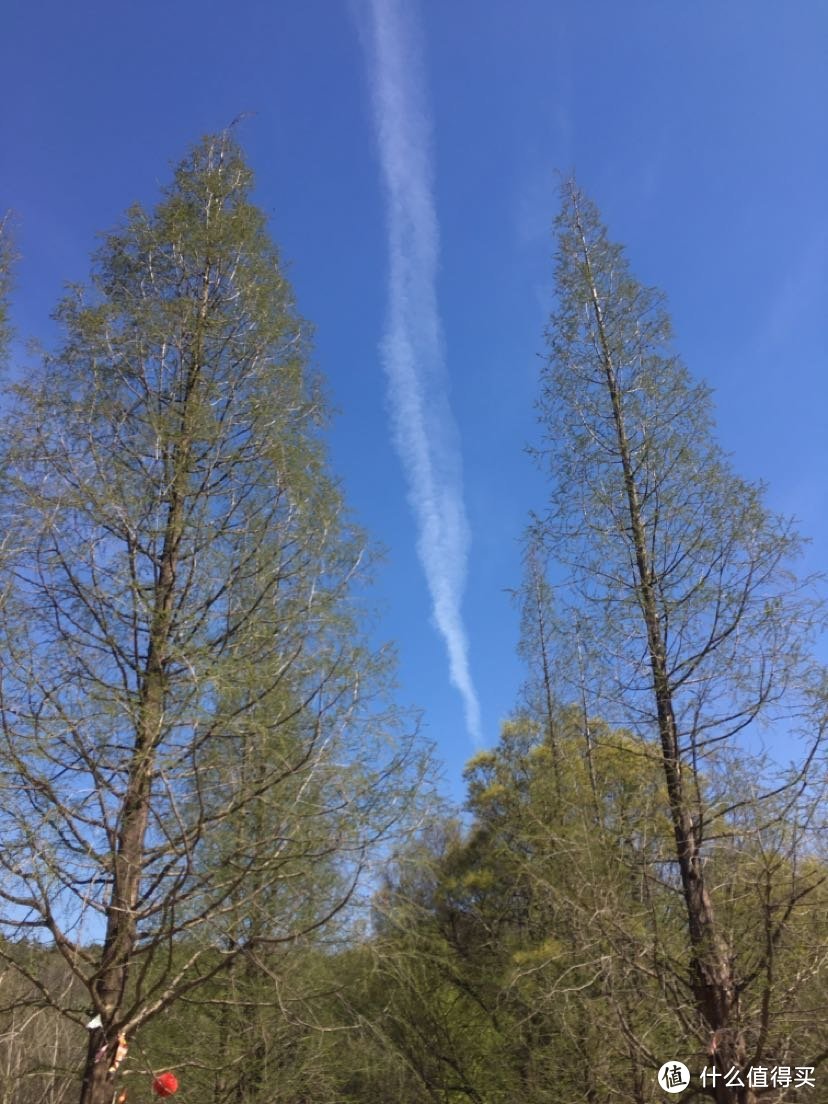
424, 428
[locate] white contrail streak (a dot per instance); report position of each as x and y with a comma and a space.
424, 428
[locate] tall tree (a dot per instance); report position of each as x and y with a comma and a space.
191, 720
690, 625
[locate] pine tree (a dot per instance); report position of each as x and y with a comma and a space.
192, 723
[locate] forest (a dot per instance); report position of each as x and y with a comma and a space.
227, 869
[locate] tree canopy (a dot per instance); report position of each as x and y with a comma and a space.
221, 851
193, 723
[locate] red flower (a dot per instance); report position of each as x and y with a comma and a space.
165, 1084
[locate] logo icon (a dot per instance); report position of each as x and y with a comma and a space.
674, 1077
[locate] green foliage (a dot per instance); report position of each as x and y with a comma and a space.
500, 950
680, 619
199, 746
199, 756
625, 430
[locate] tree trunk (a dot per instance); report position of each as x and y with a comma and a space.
98, 1083
110, 987
712, 979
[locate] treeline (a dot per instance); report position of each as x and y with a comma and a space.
203, 771
540, 954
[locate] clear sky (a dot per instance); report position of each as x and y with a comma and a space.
406, 153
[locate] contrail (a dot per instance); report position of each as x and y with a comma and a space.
424, 428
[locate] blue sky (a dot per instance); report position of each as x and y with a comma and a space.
698, 129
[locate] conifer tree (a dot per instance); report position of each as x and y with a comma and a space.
192, 725
691, 628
